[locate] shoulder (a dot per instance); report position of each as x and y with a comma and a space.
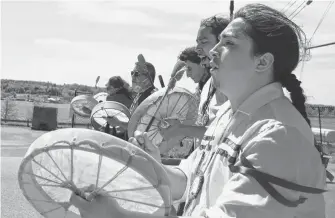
283, 151
220, 98
150, 91
275, 147
281, 112
109, 98
276, 134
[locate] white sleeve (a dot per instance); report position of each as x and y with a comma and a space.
186, 167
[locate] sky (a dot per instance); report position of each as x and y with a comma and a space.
76, 41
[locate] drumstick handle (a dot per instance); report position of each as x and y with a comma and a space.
171, 84
154, 116
161, 81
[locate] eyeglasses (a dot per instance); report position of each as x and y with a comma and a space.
137, 73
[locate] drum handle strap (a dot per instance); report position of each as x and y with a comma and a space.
265, 179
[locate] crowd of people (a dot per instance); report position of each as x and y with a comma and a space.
254, 153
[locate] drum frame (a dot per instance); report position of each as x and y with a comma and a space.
146, 104
118, 106
82, 97
118, 150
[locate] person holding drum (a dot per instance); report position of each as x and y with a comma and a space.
118, 90
257, 158
143, 77
199, 73
210, 99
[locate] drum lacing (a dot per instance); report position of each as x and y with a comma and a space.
92, 194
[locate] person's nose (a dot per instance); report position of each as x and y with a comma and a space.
213, 53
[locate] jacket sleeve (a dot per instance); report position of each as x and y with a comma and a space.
186, 167
282, 152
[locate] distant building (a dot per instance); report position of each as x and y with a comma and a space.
53, 100
21, 97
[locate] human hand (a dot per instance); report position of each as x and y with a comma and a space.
114, 121
142, 140
102, 205
173, 129
86, 110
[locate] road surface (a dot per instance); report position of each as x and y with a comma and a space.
14, 144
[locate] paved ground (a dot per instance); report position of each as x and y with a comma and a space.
14, 143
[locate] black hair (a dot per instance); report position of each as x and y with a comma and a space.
190, 54
273, 32
217, 24
117, 82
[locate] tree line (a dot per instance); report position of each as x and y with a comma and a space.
66, 91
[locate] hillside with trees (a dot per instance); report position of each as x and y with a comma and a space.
39, 91
35, 90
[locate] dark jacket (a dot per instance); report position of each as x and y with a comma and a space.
121, 98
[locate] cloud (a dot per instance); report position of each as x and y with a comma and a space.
75, 41
59, 48
105, 12
52, 41
171, 36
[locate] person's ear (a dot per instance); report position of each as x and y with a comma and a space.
264, 62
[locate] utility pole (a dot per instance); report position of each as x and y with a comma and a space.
322, 45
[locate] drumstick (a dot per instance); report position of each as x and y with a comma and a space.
170, 85
96, 81
86, 110
161, 81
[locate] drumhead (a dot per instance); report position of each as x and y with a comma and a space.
83, 157
100, 97
83, 105
109, 109
179, 104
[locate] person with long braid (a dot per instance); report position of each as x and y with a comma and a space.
189, 62
257, 158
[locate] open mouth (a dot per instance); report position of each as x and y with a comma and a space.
204, 61
213, 66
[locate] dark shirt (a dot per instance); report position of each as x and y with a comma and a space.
131, 104
121, 98
140, 98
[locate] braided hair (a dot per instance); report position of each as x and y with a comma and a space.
273, 32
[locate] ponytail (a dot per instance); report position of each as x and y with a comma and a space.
292, 84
